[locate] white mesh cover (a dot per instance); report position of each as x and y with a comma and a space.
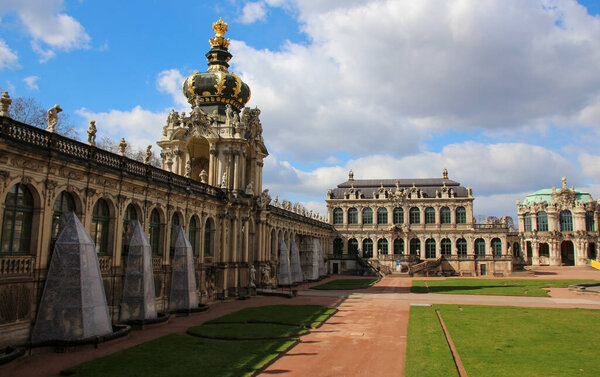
73, 305
295, 267
183, 279
322, 270
284, 277
139, 300
309, 258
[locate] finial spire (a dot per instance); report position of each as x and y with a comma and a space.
445, 173
219, 40
564, 182
351, 175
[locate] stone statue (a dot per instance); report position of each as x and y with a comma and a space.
52, 117
188, 169
252, 273
203, 176
122, 147
266, 275
148, 157
229, 114
224, 180
5, 102
564, 182
249, 188
92, 133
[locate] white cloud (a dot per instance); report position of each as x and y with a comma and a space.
252, 12
170, 81
8, 57
43, 55
31, 82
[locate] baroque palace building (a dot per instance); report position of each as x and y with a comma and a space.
210, 184
394, 224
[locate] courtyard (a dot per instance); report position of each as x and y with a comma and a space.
381, 330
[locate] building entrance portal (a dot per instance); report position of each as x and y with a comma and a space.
544, 251
592, 251
567, 253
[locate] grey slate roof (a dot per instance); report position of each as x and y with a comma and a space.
428, 185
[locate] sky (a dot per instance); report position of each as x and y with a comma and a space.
505, 94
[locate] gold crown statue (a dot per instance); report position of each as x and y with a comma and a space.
220, 27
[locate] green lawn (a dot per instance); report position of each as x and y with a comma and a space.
346, 284
297, 315
247, 331
497, 341
496, 287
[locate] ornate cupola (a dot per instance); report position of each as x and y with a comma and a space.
216, 88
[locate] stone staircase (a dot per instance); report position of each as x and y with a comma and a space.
425, 267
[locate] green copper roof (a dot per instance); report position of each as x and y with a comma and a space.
545, 196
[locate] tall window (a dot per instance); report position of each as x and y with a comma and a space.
446, 246
338, 216
429, 215
480, 247
64, 204
415, 246
368, 248
18, 216
367, 216
100, 224
527, 222
382, 216
398, 246
155, 233
208, 238
445, 215
542, 221
128, 217
496, 247
516, 249
461, 215
193, 233
352, 246
566, 221
175, 222
589, 221
338, 246
352, 216
461, 247
430, 248
398, 215
414, 215
382, 246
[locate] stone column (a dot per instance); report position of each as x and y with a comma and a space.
535, 253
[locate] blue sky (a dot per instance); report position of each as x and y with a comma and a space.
505, 94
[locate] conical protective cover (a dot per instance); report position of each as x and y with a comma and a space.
139, 299
295, 267
309, 258
73, 304
284, 277
183, 277
322, 270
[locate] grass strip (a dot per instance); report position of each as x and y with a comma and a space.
494, 287
180, 355
297, 315
342, 284
246, 331
427, 352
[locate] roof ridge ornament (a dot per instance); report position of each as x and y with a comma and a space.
445, 173
351, 175
564, 182
220, 28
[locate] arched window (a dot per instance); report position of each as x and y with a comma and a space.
352, 216
193, 233
589, 221
368, 248
352, 246
367, 216
382, 216
527, 222
461, 247
445, 215
542, 221
516, 249
430, 248
415, 246
429, 215
156, 228
398, 246
398, 215
414, 215
338, 246
18, 217
446, 246
338, 216
100, 224
382, 246
175, 222
480, 247
129, 215
64, 204
496, 247
566, 221
461, 215
209, 241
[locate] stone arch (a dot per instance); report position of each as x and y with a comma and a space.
23, 214
567, 253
